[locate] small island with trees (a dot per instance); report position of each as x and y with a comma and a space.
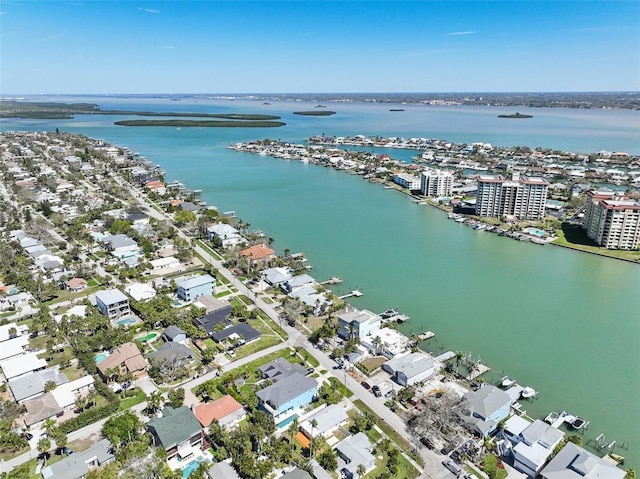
315, 113
516, 115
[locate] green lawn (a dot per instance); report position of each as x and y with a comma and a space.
209, 250
223, 294
490, 466
263, 343
574, 237
126, 403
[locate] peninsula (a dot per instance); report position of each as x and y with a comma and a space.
515, 115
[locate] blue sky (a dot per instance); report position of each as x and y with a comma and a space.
317, 46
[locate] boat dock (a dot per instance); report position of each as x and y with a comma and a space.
393, 315
332, 280
576, 422
355, 293
426, 335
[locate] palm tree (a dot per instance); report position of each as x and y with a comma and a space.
360, 470
44, 444
154, 401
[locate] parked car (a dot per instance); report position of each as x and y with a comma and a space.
376, 391
453, 467
365, 385
426, 442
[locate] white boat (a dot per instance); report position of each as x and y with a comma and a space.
551, 417
528, 392
506, 382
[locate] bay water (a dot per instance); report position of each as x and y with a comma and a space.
564, 322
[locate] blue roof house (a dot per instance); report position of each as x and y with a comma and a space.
287, 394
193, 287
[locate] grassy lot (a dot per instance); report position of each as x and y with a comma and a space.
574, 237
273, 325
263, 343
126, 403
371, 364
405, 469
66, 295
223, 294
490, 466
393, 435
267, 299
58, 358
209, 250
244, 299
74, 373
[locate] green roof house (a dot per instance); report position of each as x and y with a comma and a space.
178, 431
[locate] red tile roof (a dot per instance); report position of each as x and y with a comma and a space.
217, 409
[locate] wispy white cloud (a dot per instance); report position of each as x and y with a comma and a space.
148, 10
470, 32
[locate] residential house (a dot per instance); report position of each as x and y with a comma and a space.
411, 368
327, 421
14, 347
20, 365
226, 410
6, 332
276, 276
226, 234
177, 430
297, 283
121, 246
386, 341
125, 358
66, 394
193, 287
222, 470
214, 320
173, 352
140, 291
532, 445
76, 284
485, 408
241, 333
280, 368
573, 462
166, 263
40, 409
113, 303
311, 298
357, 323
79, 464
32, 385
173, 334
297, 473
258, 252
287, 394
352, 452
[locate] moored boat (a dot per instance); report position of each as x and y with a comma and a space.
528, 392
551, 417
578, 423
505, 382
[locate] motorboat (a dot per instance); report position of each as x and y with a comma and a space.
551, 417
578, 423
505, 382
528, 392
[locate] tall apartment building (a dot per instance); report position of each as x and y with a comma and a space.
525, 198
436, 183
610, 222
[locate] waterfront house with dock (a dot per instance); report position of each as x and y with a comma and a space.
353, 322
573, 462
483, 409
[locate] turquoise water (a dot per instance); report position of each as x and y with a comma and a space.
100, 357
287, 421
192, 466
563, 322
122, 322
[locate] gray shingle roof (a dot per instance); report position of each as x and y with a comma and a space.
244, 330
32, 384
174, 351
286, 389
279, 368
573, 462
76, 465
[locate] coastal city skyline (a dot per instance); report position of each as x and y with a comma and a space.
297, 47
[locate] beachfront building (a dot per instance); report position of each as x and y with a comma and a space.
523, 198
436, 183
612, 223
226, 234
532, 443
356, 323
410, 182
113, 303
573, 462
193, 287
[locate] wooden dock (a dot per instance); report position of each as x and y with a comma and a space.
355, 293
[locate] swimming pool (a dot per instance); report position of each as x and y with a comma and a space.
125, 321
287, 421
192, 466
536, 232
100, 357
148, 337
